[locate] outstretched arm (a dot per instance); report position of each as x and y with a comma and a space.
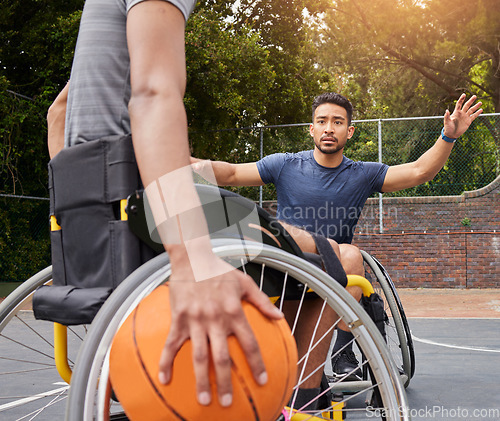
425, 168
227, 174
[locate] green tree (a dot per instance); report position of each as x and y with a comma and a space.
37, 39
286, 29
398, 58
249, 63
228, 72
429, 50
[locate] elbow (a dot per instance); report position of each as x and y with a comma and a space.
232, 177
57, 109
54, 112
150, 95
50, 113
152, 90
424, 176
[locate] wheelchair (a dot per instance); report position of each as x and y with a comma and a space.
34, 353
90, 393
398, 333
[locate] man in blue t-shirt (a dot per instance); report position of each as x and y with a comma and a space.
322, 191
320, 199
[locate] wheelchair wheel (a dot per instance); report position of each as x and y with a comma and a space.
35, 389
90, 392
398, 332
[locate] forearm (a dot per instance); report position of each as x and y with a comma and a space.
56, 117
224, 172
433, 160
425, 168
422, 170
159, 133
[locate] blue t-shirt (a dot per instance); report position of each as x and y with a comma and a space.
324, 200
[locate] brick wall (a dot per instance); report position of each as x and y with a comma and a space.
440, 242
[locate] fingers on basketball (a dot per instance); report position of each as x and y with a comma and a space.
134, 368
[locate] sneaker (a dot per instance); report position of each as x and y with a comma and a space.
346, 363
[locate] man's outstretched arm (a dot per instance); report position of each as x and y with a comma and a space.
227, 174
425, 168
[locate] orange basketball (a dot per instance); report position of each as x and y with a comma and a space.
134, 365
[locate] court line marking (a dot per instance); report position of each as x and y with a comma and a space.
465, 348
29, 399
497, 318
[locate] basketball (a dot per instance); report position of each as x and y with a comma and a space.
134, 366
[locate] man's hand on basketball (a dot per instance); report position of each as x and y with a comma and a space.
463, 115
207, 312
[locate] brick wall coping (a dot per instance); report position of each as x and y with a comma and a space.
440, 199
269, 204
426, 233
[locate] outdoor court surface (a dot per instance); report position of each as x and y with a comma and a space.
457, 344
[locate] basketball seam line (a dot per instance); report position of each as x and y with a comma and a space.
145, 369
248, 392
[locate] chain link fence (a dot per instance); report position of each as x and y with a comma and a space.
474, 163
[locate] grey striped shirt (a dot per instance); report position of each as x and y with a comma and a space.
99, 91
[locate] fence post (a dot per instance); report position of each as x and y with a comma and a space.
261, 156
497, 159
380, 203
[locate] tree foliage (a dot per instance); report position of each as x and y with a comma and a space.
413, 57
255, 63
249, 63
37, 39
267, 47
396, 58
286, 32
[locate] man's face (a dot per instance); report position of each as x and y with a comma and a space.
330, 128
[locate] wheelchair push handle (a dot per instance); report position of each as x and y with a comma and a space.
363, 283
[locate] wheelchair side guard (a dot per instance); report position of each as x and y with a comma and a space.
228, 215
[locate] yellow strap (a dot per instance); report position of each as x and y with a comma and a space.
123, 210
363, 283
54, 226
61, 352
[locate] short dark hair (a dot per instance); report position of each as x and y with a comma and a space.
333, 98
